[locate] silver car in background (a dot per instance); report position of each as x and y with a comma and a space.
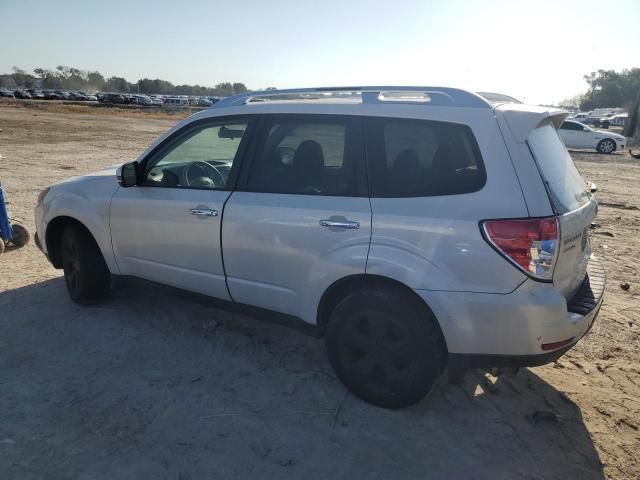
414, 228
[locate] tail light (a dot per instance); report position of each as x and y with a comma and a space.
530, 244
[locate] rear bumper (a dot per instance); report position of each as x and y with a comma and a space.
484, 330
517, 361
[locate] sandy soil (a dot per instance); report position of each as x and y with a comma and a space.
155, 384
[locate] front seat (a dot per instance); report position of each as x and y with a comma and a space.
308, 166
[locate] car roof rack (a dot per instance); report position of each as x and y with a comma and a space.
433, 96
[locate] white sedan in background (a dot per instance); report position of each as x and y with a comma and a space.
577, 135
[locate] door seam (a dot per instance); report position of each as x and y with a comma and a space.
366, 262
224, 268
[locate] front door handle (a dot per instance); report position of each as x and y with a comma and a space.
339, 223
204, 212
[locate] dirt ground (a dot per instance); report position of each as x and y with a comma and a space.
154, 384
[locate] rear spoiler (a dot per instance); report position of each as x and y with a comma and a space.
523, 119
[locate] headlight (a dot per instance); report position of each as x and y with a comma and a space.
42, 194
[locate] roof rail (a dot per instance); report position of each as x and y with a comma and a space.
435, 96
497, 98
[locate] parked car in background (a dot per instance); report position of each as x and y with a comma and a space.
618, 120
176, 101
50, 95
21, 94
6, 93
579, 117
35, 94
63, 94
414, 228
114, 98
577, 135
142, 100
204, 102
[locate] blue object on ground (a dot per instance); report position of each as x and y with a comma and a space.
6, 233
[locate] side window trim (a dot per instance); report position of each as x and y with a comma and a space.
148, 161
355, 140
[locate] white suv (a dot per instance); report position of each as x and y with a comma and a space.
415, 228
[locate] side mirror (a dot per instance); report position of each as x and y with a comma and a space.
127, 174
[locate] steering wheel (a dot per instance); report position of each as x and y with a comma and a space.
204, 167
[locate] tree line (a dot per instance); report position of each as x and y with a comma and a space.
608, 88
74, 79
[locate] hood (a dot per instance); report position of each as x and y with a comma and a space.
106, 174
606, 134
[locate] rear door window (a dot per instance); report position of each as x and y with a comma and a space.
564, 183
417, 158
309, 155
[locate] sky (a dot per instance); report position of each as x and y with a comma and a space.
537, 51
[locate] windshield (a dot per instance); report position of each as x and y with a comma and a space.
564, 183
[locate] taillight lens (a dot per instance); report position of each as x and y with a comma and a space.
531, 244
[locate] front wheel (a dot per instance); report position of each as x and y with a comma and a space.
385, 347
85, 272
606, 146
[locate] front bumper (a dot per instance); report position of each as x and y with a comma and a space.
484, 330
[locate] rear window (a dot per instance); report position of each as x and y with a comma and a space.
420, 158
564, 183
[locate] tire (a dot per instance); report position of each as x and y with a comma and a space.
21, 235
606, 146
385, 346
85, 272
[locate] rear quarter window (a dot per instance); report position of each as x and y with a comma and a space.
565, 185
421, 158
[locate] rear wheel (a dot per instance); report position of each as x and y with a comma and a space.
385, 347
606, 146
85, 271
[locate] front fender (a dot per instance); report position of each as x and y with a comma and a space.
89, 205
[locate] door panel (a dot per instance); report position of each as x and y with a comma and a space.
168, 228
155, 236
301, 219
278, 256
583, 139
569, 138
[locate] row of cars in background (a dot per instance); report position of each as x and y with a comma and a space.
48, 95
601, 119
112, 98
157, 100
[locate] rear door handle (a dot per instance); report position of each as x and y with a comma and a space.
339, 223
204, 212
